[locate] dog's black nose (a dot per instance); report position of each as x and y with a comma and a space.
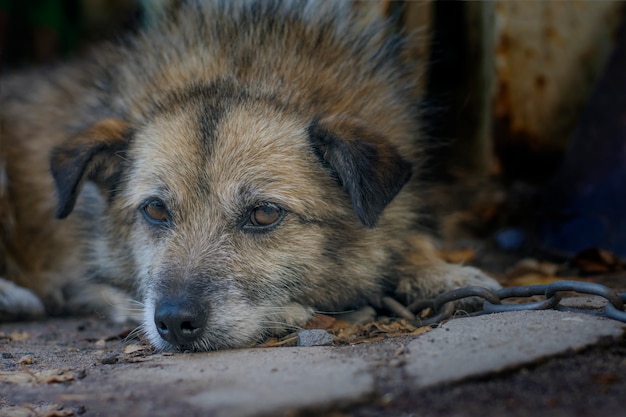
179, 322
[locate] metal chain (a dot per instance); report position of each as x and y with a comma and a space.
442, 307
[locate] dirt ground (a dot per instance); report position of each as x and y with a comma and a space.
43, 363
61, 354
577, 384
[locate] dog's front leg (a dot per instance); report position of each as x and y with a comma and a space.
423, 275
18, 303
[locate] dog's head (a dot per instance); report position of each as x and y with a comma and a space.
238, 216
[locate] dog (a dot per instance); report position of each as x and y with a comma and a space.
234, 168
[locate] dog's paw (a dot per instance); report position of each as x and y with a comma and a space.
466, 276
440, 278
17, 303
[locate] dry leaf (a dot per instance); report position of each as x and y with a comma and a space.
26, 376
19, 336
340, 324
17, 377
54, 375
289, 340
530, 271
395, 326
532, 279
26, 360
133, 348
532, 266
378, 330
347, 333
27, 410
137, 353
18, 412
320, 321
597, 261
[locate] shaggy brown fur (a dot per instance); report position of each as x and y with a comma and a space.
235, 168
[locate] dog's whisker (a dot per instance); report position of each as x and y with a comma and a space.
279, 325
335, 312
133, 305
136, 333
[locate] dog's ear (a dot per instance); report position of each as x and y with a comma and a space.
92, 154
364, 162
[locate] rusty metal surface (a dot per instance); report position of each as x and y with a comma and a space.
548, 56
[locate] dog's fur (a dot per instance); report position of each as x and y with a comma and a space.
299, 111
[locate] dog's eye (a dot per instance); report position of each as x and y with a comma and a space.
155, 212
265, 215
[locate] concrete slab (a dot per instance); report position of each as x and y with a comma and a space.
470, 347
236, 383
252, 381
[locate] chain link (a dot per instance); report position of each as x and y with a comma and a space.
442, 307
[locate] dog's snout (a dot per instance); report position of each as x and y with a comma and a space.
178, 322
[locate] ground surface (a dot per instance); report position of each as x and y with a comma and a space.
540, 363
546, 363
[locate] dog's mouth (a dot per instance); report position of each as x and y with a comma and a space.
231, 321
178, 324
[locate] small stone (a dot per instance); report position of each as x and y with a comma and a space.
314, 337
81, 373
109, 359
7, 355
